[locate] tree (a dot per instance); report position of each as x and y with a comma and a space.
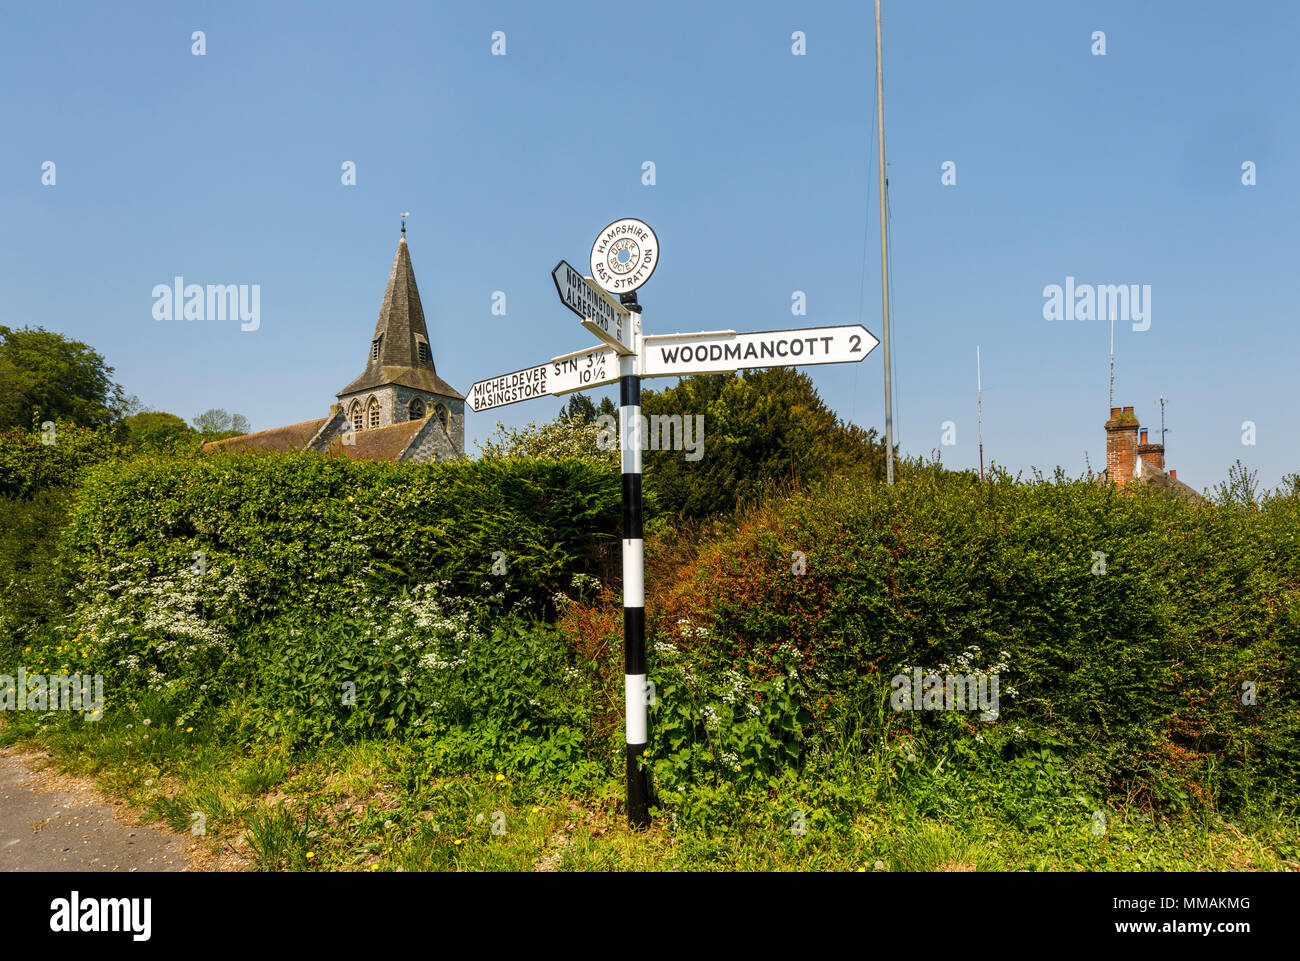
155, 429
581, 409
559, 439
1241, 487
218, 423
45, 376
761, 428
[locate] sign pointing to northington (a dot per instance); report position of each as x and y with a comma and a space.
579, 370
724, 350
600, 314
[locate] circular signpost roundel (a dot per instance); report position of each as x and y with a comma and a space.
624, 255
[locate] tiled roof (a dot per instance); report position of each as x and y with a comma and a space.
420, 378
1145, 473
379, 443
277, 440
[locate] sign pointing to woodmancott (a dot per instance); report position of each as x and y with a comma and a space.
685, 354
580, 370
600, 313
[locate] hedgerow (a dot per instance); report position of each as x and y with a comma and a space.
1153, 643
313, 534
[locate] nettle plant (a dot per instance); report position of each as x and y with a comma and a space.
425, 662
720, 728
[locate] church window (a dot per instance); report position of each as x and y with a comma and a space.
372, 413
443, 416
417, 408
423, 349
374, 347
354, 415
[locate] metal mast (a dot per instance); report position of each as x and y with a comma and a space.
884, 254
979, 405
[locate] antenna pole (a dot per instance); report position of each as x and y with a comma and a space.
979, 405
884, 256
1112, 359
1162, 422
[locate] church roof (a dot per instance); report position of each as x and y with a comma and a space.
420, 378
398, 334
277, 440
380, 443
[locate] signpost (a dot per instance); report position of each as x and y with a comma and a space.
623, 257
580, 370
601, 314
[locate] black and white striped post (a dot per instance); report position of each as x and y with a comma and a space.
634, 670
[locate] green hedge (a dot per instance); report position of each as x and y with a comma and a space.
32, 462
303, 532
1135, 674
37, 474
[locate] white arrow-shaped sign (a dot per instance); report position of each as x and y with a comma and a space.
579, 370
600, 313
679, 355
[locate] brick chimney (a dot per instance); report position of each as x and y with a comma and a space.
1121, 445
1153, 454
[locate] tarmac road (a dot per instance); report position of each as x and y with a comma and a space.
51, 822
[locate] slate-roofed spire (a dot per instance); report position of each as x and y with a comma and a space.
400, 352
401, 327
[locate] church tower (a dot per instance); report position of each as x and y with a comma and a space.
400, 382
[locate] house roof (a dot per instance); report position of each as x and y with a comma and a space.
399, 330
379, 443
278, 439
1155, 477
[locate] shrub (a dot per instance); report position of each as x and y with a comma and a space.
1134, 676
420, 664
32, 461
321, 535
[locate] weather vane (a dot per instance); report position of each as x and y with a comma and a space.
405, 214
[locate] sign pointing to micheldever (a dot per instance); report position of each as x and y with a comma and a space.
579, 370
600, 313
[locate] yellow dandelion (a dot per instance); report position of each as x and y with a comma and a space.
501, 777
311, 854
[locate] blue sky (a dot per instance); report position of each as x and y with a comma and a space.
1116, 169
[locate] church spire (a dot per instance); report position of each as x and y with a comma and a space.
401, 338
400, 353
